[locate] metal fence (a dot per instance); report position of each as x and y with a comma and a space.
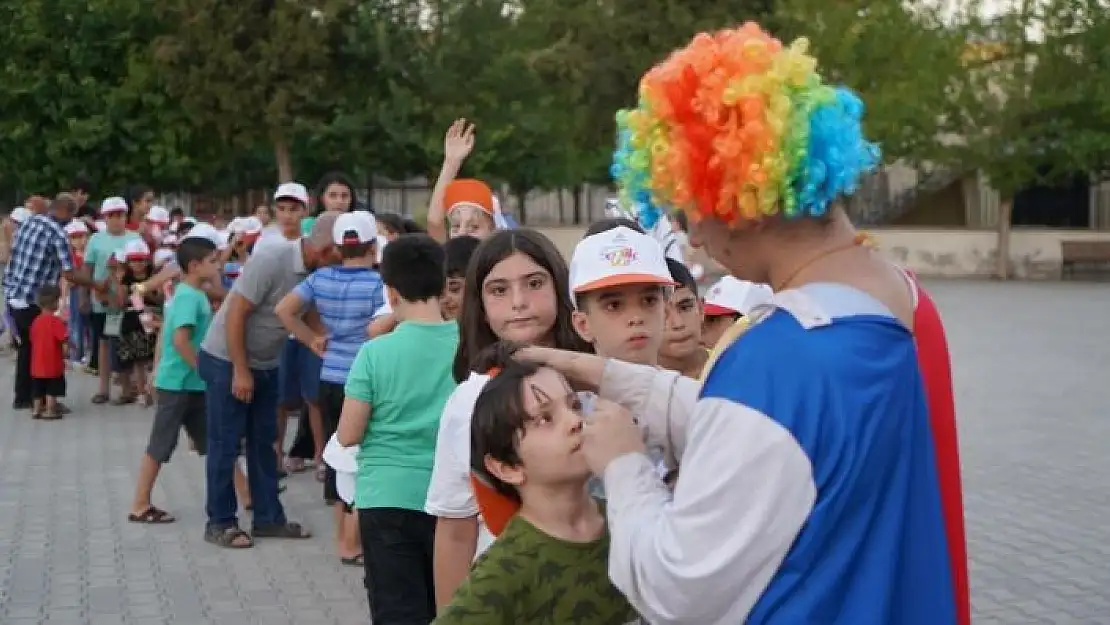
410, 198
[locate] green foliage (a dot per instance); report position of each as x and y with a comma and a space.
216, 96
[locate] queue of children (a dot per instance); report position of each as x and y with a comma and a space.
543, 441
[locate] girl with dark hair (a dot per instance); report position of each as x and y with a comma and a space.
516, 290
335, 192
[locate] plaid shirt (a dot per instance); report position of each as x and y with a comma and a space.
40, 253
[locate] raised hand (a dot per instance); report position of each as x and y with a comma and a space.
459, 141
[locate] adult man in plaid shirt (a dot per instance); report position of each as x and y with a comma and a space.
40, 256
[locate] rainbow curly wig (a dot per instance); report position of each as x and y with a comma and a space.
739, 127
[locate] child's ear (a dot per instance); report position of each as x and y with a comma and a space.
581, 323
392, 297
505, 472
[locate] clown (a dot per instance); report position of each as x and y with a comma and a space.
808, 489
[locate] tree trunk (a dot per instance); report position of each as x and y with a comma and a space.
1005, 216
578, 204
521, 198
283, 158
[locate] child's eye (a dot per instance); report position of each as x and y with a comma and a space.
651, 300
536, 283
496, 291
612, 306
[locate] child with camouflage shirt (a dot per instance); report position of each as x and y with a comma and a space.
549, 565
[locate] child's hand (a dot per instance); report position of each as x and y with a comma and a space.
319, 344
459, 141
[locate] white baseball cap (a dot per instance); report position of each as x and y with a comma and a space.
162, 256
76, 227
733, 296
20, 214
158, 215
355, 228
292, 190
136, 249
615, 258
101, 225
206, 231
113, 205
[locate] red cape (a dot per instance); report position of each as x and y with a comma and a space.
936, 370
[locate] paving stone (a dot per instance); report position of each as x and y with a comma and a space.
1029, 360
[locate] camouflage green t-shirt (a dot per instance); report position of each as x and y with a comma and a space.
529, 578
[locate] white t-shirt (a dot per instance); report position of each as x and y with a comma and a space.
449, 493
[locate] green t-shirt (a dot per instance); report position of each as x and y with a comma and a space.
406, 378
528, 577
306, 225
97, 254
189, 308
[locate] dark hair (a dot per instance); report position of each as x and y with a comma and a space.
48, 296
411, 227
412, 265
177, 210
682, 275
609, 223
393, 221
329, 179
682, 220
459, 251
351, 251
133, 193
474, 331
192, 250
184, 227
82, 183
499, 416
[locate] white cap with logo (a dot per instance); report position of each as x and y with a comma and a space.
293, 191
732, 296
617, 257
355, 228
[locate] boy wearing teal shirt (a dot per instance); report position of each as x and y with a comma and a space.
395, 394
180, 388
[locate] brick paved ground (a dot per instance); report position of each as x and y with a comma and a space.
1031, 363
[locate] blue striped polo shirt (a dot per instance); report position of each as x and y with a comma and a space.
346, 299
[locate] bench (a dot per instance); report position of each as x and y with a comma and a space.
1084, 255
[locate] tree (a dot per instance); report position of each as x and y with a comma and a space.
79, 97
255, 71
1034, 108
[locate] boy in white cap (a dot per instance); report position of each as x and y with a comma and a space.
620, 283
727, 301
346, 297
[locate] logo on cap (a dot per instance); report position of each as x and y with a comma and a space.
619, 256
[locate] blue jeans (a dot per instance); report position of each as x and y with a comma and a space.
229, 422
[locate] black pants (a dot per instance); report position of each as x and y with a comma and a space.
330, 399
23, 318
397, 548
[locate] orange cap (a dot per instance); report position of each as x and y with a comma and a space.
468, 191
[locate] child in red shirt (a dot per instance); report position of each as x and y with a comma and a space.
48, 368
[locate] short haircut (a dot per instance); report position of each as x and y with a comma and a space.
193, 250
393, 221
177, 210
682, 275
411, 227
48, 296
82, 183
412, 265
609, 223
355, 250
459, 250
499, 417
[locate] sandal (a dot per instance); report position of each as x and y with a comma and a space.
228, 537
100, 398
151, 516
51, 415
287, 530
353, 561
123, 400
